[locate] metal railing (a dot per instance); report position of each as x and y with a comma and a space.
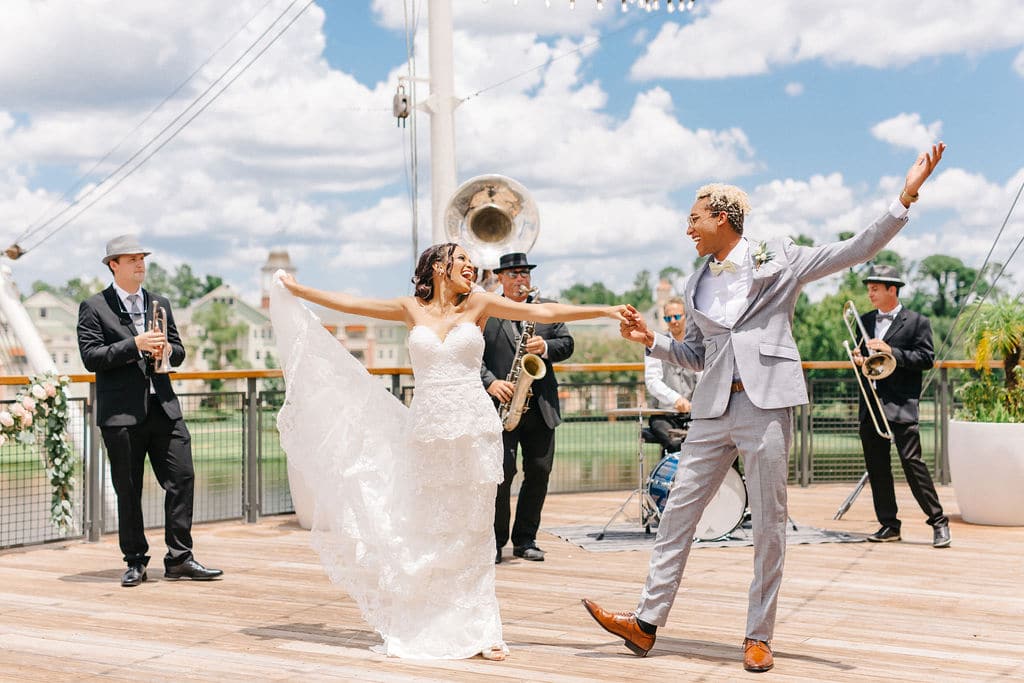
241, 470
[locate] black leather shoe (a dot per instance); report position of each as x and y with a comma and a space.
190, 569
135, 575
529, 552
497, 558
884, 535
941, 538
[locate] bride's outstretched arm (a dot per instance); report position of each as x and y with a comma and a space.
549, 311
383, 309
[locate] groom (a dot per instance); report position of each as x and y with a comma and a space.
739, 311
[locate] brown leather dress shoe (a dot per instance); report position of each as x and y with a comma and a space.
623, 625
757, 655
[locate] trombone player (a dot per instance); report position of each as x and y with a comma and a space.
907, 337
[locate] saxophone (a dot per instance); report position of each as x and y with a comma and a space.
526, 367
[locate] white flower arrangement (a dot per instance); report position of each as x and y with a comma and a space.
762, 255
44, 404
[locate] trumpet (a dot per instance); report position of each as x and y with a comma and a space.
158, 323
876, 366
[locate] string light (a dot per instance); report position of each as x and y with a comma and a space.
647, 5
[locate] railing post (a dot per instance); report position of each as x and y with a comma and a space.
396, 385
942, 457
93, 471
251, 476
805, 434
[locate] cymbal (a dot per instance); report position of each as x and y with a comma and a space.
645, 412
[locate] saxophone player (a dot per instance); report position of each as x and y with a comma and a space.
535, 433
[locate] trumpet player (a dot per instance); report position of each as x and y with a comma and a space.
907, 336
138, 412
535, 432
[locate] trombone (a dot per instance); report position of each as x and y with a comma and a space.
876, 366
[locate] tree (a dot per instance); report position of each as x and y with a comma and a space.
187, 287
219, 338
595, 293
158, 280
803, 241
640, 296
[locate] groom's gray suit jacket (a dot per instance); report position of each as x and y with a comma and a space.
759, 348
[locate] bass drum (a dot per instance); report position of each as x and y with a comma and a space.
724, 512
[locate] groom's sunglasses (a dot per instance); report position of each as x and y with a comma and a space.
670, 318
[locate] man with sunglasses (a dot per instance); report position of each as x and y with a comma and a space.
670, 385
739, 332
536, 430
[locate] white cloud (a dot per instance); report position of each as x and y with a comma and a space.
1018, 63
502, 17
907, 130
746, 37
794, 89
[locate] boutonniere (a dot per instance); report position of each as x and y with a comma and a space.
762, 255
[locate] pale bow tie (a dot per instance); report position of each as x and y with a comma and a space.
719, 267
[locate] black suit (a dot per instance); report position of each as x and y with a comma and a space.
910, 336
139, 413
536, 430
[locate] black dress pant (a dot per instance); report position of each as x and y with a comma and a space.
538, 446
877, 458
169, 446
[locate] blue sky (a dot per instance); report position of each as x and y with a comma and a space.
817, 109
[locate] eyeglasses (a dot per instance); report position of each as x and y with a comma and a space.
670, 318
518, 273
692, 220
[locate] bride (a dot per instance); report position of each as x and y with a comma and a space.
404, 498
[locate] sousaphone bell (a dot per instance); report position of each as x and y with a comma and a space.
491, 215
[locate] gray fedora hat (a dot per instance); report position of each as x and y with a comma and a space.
124, 244
888, 275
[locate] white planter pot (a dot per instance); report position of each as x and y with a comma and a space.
986, 462
302, 498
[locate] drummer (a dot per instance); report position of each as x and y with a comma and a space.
671, 386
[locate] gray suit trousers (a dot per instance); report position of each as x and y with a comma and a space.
762, 438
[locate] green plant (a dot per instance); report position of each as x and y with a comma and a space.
997, 331
43, 406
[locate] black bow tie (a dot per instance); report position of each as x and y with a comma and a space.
886, 316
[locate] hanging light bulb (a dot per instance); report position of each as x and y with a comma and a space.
669, 6
656, 5
624, 8
572, 4
600, 4
689, 5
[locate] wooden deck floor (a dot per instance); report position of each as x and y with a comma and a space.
848, 612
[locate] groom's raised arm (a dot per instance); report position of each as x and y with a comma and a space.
814, 263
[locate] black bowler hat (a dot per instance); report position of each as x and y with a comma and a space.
887, 275
514, 260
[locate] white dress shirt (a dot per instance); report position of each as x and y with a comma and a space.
722, 297
882, 326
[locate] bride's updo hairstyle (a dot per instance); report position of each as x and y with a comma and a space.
423, 279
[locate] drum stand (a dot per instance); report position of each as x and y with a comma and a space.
648, 509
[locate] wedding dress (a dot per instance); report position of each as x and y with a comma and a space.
403, 497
